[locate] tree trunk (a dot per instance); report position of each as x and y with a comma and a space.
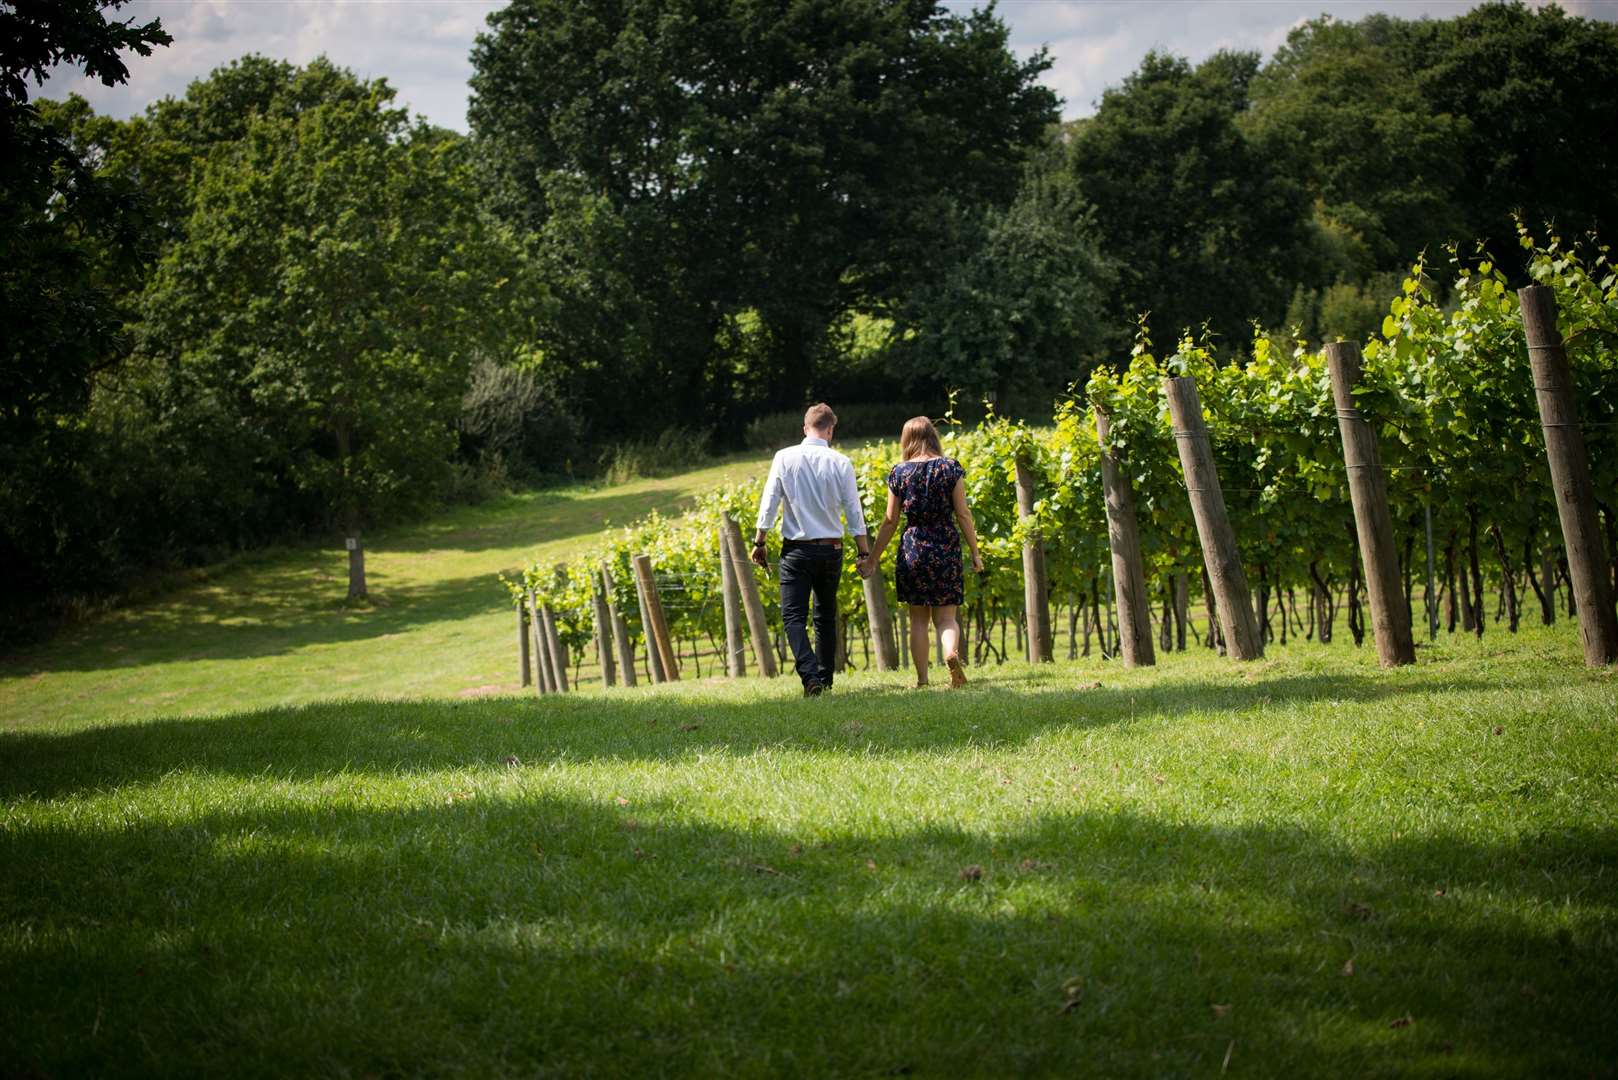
1451, 603
1182, 608
1477, 571
1036, 585
1508, 577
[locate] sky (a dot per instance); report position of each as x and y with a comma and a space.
423, 47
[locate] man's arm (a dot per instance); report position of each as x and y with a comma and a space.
853, 512
769, 504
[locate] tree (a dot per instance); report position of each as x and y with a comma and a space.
1538, 91
67, 238
330, 287
1014, 310
1203, 225
789, 157
1336, 105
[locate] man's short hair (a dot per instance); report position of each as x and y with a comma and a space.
820, 417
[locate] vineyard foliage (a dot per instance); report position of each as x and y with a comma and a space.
1447, 387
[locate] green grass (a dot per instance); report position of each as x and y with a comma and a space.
246, 830
273, 629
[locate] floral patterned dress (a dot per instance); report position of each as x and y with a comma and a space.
929, 556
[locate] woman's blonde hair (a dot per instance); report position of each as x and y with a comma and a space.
918, 435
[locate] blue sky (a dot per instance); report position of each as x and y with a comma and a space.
422, 46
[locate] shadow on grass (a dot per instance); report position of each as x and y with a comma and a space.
546, 518
281, 618
292, 602
392, 737
502, 932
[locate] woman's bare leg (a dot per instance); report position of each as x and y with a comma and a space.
949, 636
949, 629
921, 643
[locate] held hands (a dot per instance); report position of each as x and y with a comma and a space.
865, 564
977, 563
761, 555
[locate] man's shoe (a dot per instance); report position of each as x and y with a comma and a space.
814, 688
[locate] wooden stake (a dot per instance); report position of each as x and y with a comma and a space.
1367, 489
1123, 537
658, 630
1036, 585
543, 682
553, 641
620, 630
654, 656
752, 602
881, 621
730, 590
1219, 552
1570, 476
524, 669
603, 635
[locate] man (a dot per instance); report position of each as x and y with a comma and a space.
811, 482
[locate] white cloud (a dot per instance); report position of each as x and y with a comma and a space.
423, 47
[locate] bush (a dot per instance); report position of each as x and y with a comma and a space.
520, 417
883, 420
677, 448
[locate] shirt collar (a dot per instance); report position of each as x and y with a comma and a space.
812, 440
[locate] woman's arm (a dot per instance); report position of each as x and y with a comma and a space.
884, 532
969, 528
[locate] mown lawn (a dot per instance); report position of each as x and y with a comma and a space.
1304, 865
274, 628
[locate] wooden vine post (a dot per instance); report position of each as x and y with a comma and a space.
1570, 476
543, 682
620, 630
654, 656
1123, 537
558, 654
752, 602
658, 628
603, 634
730, 593
1220, 556
524, 668
1036, 585
1390, 617
881, 620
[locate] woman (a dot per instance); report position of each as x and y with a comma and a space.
931, 490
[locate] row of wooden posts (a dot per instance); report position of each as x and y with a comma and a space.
1229, 597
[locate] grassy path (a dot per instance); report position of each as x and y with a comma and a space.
272, 630
1302, 866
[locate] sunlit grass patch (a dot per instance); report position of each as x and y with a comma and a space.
1308, 865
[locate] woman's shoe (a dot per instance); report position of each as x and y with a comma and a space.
957, 673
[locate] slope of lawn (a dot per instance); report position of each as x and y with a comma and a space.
248, 830
274, 629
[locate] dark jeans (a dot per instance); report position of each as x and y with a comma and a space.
811, 569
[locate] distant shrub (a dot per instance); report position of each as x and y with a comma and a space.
675, 449
520, 417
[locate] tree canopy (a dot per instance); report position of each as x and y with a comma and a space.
790, 158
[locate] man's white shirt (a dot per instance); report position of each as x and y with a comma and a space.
811, 481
